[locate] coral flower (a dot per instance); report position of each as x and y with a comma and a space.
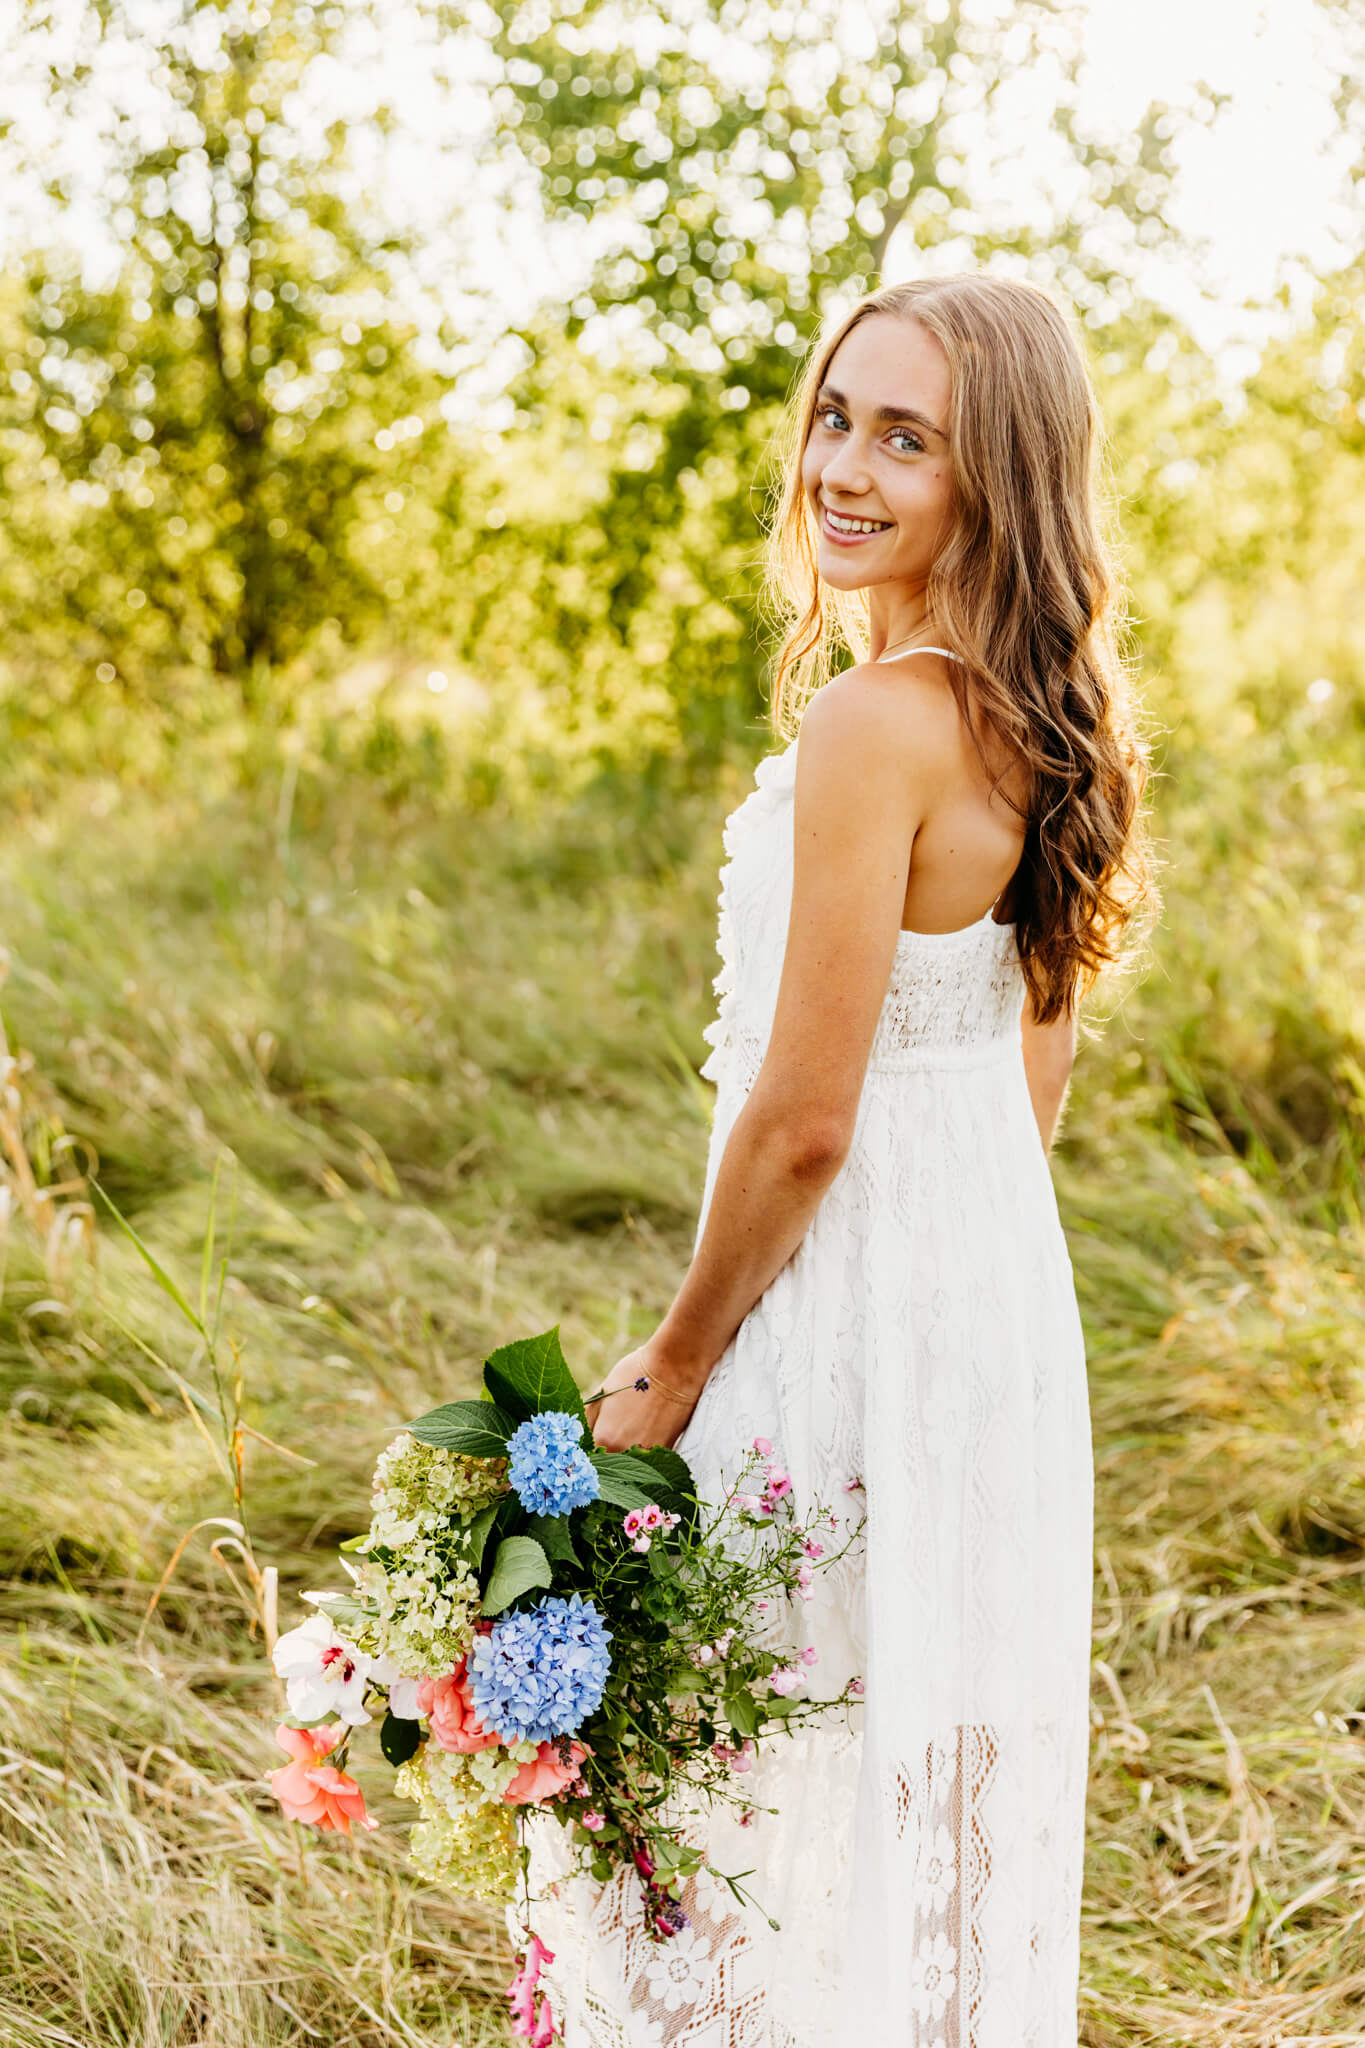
314, 1792
545, 1775
450, 1710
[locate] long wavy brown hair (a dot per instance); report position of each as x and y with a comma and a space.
1025, 588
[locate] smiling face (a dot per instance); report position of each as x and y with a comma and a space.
876, 468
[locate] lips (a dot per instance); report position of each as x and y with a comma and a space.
857, 529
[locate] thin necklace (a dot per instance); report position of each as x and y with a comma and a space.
891, 650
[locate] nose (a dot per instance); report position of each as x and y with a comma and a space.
846, 469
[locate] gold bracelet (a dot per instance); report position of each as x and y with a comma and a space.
653, 1382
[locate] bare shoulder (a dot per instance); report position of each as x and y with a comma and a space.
890, 725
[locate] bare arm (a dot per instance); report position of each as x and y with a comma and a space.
857, 809
1049, 1053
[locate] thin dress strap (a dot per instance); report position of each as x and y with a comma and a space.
920, 650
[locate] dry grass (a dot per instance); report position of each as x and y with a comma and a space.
461, 1108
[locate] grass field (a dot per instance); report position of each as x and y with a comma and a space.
451, 1051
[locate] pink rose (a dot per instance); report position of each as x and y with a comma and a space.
450, 1710
545, 1775
310, 1791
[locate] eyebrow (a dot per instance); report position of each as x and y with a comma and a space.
883, 412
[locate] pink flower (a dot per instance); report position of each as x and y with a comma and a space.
805, 1582
812, 1548
450, 1710
592, 1821
633, 1523
763, 1447
810, 1655
748, 1502
313, 1792
740, 1759
642, 1543
545, 1775
652, 1517
786, 1680
747, 1818
856, 1687
521, 1994
850, 1486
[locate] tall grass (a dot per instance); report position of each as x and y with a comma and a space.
449, 1051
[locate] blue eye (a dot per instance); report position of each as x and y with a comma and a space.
823, 412
908, 435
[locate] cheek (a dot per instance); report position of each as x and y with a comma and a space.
925, 496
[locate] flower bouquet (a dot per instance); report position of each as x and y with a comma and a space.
552, 1632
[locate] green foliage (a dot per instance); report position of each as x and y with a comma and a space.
625, 1482
531, 1375
519, 1565
399, 1739
476, 1429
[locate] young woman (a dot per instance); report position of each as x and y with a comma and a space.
917, 895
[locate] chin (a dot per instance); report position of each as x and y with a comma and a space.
841, 574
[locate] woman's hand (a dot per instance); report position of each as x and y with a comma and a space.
656, 1413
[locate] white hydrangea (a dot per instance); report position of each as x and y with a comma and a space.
414, 1576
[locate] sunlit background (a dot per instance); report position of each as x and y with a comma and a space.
387, 395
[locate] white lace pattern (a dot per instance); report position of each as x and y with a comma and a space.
924, 1864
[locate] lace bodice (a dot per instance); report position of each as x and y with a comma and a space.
954, 998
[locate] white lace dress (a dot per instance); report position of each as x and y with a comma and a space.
925, 1866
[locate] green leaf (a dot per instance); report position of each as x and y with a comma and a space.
519, 1565
741, 1711
677, 1488
477, 1533
628, 1479
615, 1490
627, 1465
684, 1681
531, 1376
398, 1740
555, 1537
475, 1429
343, 1610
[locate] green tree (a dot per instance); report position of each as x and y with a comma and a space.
206, 460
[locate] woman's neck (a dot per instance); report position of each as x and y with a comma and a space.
891, 628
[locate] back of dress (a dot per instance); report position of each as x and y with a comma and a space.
920, 1359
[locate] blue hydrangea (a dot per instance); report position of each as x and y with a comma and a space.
540, 1672
550, 1470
